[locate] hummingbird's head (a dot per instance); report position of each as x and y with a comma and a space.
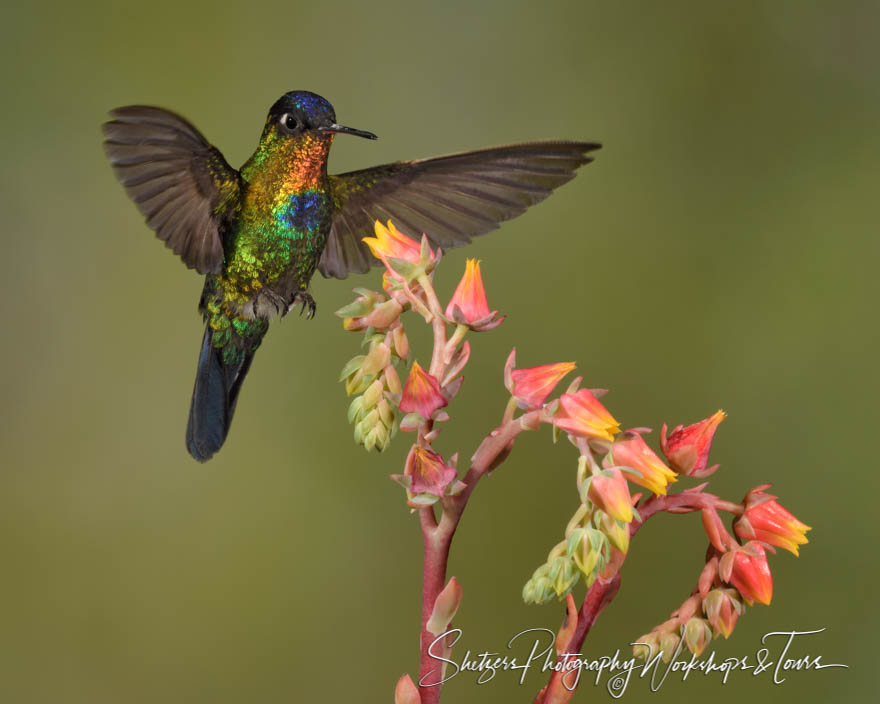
300, 113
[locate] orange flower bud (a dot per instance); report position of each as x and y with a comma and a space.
610, 492
468, 305
582, 415
531, 387
630, 450
687, 449
421, 393
766, 520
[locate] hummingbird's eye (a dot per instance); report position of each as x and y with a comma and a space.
290, 122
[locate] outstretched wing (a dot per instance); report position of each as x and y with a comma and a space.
450, 198
181, 184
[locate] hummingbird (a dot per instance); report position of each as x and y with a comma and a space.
258, 233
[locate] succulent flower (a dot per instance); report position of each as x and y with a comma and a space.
631, 450
766, 520
582, 415
421, 393
400, 254
687, 448
427, 473
610, 492
749, 573
468, 305
531, 386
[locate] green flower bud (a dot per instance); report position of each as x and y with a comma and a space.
697, 635
646, 646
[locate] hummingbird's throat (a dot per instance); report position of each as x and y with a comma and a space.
300, 164
307, 161
284, 165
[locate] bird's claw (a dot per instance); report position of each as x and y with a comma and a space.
308, 304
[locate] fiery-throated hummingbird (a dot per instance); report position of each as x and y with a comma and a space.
259, 233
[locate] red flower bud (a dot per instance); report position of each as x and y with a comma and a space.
750, 574
687, 449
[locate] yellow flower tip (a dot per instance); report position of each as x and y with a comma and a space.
373, 244
657, 489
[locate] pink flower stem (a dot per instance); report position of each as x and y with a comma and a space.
434, 579
599, 595
438, 539
683, 502
438, 326
603, 590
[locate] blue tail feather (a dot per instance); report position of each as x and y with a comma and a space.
214, 397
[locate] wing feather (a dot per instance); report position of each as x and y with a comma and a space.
180, 183
450, 198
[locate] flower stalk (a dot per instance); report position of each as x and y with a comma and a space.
610, 464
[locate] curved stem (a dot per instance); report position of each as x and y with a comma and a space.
434, 579
599, 595
438, 539
603, 590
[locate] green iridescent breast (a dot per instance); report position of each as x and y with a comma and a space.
271, 241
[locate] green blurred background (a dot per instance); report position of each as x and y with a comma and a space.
720, 252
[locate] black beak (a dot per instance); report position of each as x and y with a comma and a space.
340, 129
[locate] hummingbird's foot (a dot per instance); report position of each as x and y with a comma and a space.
307, 303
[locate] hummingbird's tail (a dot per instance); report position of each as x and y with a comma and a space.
219, 376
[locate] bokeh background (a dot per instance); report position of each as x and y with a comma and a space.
720, 252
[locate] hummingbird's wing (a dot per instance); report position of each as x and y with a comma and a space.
450, 198
181, 184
